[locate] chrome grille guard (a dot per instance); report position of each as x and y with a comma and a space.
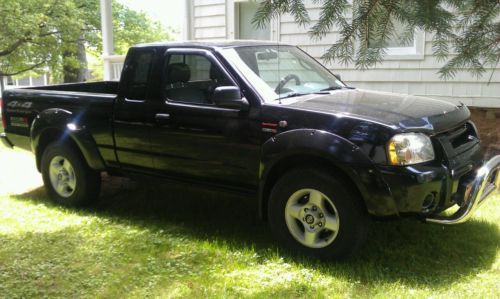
485, 184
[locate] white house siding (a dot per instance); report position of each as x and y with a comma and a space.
209, 19
418, 75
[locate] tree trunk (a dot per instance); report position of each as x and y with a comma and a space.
80, 72
2, 86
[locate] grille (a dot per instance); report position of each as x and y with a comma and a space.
466, 135
459, 140
460, 146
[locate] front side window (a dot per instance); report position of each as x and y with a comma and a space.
192, 78
281, 71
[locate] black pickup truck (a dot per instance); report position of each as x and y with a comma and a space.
263, 118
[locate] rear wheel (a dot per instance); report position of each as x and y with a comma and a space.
67, 177
312, 212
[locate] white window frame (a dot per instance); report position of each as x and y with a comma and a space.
232, 21
413, 52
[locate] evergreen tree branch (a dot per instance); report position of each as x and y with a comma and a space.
469, 28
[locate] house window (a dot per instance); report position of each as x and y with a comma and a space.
397, 48
244, 28
24, 81
38, 81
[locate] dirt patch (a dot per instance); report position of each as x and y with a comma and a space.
487, 121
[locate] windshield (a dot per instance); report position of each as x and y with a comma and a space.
281, 71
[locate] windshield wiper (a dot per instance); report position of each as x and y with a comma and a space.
292, 95
331, 88
326, 90
321, 91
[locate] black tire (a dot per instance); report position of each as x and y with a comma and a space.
348, 209
88, 181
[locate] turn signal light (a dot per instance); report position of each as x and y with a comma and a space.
409, 148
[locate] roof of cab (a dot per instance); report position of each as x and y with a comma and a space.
212, 44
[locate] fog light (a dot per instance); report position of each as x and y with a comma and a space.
428, 202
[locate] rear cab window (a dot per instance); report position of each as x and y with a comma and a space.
137, 74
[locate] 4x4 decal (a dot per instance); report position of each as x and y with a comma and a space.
17, 104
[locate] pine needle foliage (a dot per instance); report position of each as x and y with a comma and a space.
466, 33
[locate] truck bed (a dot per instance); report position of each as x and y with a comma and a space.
88, 103
106, 87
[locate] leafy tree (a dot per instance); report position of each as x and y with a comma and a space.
56, 34
31, 34
132, 27
129, 27
466, 32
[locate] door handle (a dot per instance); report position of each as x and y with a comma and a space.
134, 101
162, 118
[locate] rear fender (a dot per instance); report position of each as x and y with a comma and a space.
67, 124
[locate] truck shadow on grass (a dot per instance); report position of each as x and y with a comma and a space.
406, 251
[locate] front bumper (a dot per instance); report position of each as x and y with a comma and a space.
484, 185
5, 141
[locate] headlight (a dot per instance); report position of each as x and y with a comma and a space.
410, 148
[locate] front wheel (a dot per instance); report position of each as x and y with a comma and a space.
67, 177
312, 212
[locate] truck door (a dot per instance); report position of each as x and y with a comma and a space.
133, 114
193, 138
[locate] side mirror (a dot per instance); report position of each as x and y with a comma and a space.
229, 97
338, 76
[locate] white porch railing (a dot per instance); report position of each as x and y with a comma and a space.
116, 63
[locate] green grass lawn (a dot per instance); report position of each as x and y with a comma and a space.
176, 241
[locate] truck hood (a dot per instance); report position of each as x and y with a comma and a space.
403, 111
